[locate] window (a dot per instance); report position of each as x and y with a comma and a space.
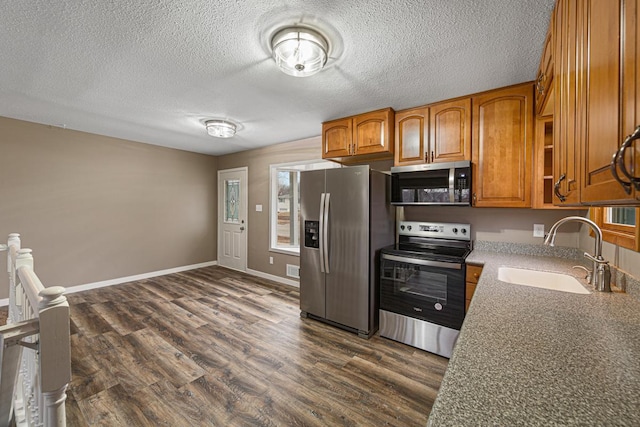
285, 203
618, 225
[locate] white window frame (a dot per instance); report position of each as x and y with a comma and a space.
273, 199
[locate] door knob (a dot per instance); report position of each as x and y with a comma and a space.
241, 228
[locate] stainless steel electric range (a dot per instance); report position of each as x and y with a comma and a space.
422, 285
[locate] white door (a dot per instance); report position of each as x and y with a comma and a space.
232, 218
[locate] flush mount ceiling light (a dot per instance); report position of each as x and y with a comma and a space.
220, 128
299, 52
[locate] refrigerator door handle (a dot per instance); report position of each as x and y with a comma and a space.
320, 232
325, 232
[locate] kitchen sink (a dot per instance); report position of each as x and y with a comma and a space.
541, 279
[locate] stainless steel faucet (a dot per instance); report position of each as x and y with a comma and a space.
601, 272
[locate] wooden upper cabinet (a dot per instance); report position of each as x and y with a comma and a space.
336, 138
450, 132
567, 99
631, 83
411, 136
503, 147
373, 132
363, 137
435, 133
544, 79
602, 34
596, 99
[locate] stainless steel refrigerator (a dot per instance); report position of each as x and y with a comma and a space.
346, 218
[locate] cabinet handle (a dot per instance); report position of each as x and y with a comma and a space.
618, 159
432, 157
556, 188
614, 171
474, 199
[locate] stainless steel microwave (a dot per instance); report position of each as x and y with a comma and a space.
432, 184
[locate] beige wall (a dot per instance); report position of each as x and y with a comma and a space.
258, 162
95, 208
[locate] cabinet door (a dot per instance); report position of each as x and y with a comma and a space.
411, 136
602, 114
567, 98
631, 82
450, 132
544, 78
502, 147
373, 132
336, 138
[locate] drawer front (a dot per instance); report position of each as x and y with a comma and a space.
473, 273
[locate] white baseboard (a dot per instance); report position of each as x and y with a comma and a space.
120, 280
274, 278
95, 285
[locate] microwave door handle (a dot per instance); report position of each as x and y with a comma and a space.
326, 232
452, 174
321, 232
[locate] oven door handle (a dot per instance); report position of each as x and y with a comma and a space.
448, 265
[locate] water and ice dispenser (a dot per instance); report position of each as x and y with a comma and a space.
312, 234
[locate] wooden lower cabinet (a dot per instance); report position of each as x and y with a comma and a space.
473, 275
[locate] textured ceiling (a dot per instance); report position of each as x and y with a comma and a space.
154, 71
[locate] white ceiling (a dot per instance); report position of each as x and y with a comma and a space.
154, 70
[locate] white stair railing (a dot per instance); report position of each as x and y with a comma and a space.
35, 346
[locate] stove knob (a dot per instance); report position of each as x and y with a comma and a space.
409, 227
464, 231
402, 227
455, 230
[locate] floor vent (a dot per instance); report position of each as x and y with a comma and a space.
293, 271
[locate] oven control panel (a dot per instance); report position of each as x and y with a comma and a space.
443, 230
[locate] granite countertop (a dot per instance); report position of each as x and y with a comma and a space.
537, 357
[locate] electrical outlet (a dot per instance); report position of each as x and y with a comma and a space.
538, 230
270, 260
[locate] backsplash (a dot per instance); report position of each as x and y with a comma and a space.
499, 224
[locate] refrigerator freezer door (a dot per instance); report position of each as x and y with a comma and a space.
347, 285
312, 280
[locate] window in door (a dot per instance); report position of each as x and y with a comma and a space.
619, 225
231, 200
285, 203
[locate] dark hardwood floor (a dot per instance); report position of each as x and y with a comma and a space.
217, 347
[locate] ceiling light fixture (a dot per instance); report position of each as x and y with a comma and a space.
299, 52
220, 128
